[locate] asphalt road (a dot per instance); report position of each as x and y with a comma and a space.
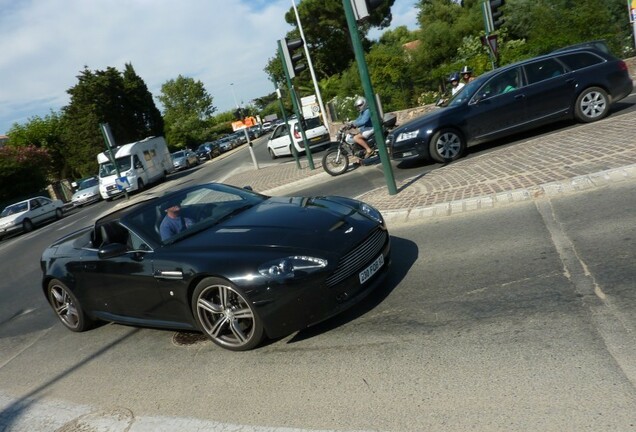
515, 318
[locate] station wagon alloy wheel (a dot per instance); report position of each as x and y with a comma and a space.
225, 316
446, 145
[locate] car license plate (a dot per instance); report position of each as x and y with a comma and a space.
371, 269
408, 153
314, 139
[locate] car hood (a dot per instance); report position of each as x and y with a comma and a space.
11, 218
86, 192
318, 223
422, 121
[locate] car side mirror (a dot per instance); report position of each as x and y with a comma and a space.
112, 250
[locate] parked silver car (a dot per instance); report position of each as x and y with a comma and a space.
87, 192
23, 216
184, 159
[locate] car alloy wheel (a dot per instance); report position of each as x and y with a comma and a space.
225, 316
66, 307
58, 214
446, 145
592, 105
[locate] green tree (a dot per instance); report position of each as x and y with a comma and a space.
550, 24
106, 97
187, 111
44, 133
23, 170
144, 116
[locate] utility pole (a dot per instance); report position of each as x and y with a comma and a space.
323, 113
369, 93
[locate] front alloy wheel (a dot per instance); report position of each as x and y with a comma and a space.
225, 316
446, 145
66, 307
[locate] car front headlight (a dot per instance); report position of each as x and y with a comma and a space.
291, 267
404, 136
8, 224
372, 212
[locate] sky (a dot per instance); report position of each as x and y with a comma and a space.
225, 44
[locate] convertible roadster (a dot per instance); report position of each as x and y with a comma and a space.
237, 265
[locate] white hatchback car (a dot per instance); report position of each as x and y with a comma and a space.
280, 145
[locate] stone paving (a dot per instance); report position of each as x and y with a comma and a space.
587, 156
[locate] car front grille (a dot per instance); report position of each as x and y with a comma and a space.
356, 259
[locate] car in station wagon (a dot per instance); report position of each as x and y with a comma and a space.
573, 83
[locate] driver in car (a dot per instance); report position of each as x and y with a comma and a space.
173, 223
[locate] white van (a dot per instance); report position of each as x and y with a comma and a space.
140, 163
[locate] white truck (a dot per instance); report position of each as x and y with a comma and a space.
140, 163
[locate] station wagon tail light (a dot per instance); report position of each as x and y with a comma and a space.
623, 66
296, 133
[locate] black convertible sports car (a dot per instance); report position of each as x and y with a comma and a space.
235, 264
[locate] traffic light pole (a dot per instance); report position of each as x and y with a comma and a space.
488, 24
289, 133
370, 95
297, 111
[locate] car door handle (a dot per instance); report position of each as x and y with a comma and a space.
570, 80
520, 96
168, 274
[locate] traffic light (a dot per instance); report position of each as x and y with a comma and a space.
293, 60
496, 13
363, 8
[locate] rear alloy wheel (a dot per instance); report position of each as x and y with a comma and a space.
225, 316
446, 145
58, 214
66, 307
591, 105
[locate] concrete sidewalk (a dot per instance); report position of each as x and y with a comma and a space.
588, 156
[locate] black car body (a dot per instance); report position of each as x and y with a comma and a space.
249, 266
207, 151
578, 83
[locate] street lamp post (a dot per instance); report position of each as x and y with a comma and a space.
247, 136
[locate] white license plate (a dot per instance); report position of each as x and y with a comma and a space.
371, 269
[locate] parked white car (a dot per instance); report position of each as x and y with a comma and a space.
87, 192
279, 143
23, 216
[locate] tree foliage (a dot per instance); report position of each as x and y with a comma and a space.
45, 133
187, 110
119, 99
23, 170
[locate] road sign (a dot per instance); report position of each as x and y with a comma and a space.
122, 183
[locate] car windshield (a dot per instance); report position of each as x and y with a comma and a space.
178, 155
464, 94
197, 209
88, 183
14, 209
108, 168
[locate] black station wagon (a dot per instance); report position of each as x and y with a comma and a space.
578, 83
